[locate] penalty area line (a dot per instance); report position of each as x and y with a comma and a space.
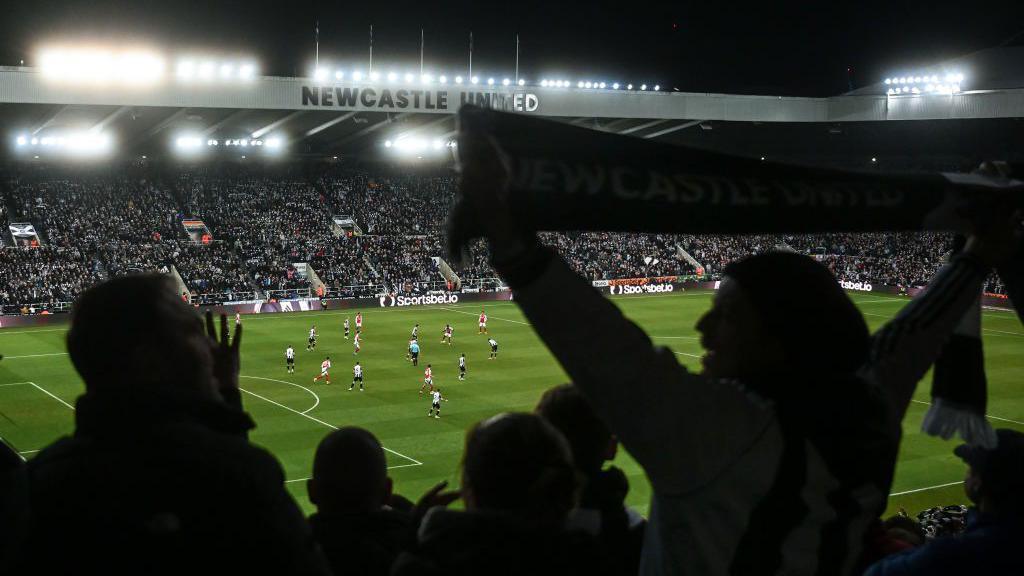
328, 424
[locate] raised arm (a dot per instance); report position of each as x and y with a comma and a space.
682, 428
904, 349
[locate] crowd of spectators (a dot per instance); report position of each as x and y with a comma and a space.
44, 275
271, 221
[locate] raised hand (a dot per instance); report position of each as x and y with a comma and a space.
226, 361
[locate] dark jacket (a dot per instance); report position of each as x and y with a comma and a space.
989, 545
453, 543
362, 544
163, 482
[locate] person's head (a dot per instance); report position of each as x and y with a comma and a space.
350, 473
328, 358
781, 313
135, 332
995, 478
428, 365
357, 363
517, 462
590, 441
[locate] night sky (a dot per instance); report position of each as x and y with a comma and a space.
787, 48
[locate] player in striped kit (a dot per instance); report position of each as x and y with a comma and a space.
435, 404
357, 376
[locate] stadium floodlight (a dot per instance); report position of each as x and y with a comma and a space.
458, 79
212, 142
505, 82
579, 84
409, 77
588, 84
320, 74
392, 77
442, 79
426, 78
357, 75
35, 141
247, 71
643, 86
374, 76
490, 81
438, 144
615, 86
274, 142
543, 83
475, 80
243, 143
656, 87
629, 87
522, 82
873, 159
888, 80
339, 74
226, 70
22, 141
188, 143
186, 69
387, 143
601, 85
206, 70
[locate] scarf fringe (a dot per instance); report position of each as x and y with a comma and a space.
946, 419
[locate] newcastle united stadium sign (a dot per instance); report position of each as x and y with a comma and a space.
414, 100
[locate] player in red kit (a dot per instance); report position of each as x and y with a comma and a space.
359, 321
483, 323
325, 369
428, 380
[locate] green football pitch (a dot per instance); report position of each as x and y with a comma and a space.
38, 387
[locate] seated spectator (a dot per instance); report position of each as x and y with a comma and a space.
995, 527
358, 532
159, 477
518, 484
601, 509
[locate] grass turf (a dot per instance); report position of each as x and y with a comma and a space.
38, 386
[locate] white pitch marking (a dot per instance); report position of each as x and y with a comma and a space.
15, 384
489, 317
328, 424
690, 355
926, 488
4, 332
47, 392
35, 355
310, 409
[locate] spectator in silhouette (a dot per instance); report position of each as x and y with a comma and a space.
995, 526
778, 457
601, 510
518, 484
14, 511
358, 532
159, 476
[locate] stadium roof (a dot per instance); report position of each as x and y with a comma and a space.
324, 117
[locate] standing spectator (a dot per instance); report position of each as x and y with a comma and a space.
159, 476
777, 457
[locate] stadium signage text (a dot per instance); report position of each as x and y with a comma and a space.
641, 289
411, 99
392, 300
626, 183
859, 286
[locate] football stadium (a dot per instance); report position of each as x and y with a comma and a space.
315, 213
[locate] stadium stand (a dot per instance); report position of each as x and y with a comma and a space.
264, 223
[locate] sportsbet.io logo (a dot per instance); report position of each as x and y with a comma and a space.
391, 300
644, 289
859, 286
